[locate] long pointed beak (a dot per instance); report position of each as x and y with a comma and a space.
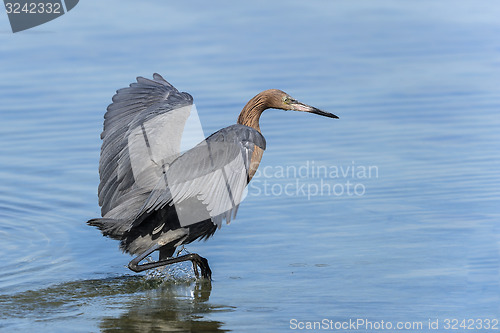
298, 106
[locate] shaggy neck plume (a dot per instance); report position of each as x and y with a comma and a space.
250, 114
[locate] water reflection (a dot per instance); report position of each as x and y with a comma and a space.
150, 304
172, 307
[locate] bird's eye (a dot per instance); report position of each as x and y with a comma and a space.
287, 100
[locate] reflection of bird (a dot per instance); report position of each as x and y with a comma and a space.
152, 197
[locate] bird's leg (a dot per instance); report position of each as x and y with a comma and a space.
196, 259
195, 267
134, 263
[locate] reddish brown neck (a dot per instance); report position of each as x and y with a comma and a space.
250, 114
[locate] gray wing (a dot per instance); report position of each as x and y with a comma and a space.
209, 180
142, 133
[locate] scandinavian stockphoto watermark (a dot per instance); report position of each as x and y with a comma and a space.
26, 14
310, 179
381, 325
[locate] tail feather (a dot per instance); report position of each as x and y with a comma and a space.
112, 228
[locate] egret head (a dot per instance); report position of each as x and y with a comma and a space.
274, 99
281, 100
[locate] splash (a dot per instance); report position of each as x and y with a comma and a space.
179, 272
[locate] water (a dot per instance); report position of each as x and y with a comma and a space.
416, 89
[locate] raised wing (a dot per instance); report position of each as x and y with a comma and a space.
208, 181
142, 134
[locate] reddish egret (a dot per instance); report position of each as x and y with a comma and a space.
155, 198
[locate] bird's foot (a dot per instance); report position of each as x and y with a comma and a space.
202, 263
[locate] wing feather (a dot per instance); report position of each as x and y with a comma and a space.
213, 174
146, 106
142, 169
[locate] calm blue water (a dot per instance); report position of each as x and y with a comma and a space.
412, 235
